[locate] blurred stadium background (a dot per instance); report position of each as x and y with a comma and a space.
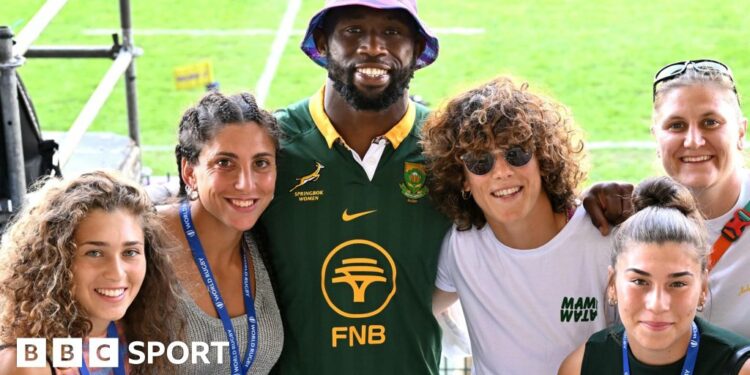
597, 58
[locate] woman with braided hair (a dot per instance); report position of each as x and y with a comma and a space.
227, 161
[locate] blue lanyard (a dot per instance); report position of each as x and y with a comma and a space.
112, 334
690, 357
208, 278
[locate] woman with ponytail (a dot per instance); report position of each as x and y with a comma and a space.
227, 161
658, 280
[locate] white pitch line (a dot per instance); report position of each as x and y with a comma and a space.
186, 32
608, 145
601, 145
253, 32
36, 25
277, 50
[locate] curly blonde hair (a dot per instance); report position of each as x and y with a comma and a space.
36, 279
495, 115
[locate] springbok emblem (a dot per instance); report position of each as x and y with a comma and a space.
310, 177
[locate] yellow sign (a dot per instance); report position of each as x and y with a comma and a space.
194, 75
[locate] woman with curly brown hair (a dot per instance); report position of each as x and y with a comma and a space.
86, 259
525, 261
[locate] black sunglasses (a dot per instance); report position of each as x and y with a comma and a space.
481, 163
677, 69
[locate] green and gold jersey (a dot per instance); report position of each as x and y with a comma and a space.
354, 260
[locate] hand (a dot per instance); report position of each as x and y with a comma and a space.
608, 203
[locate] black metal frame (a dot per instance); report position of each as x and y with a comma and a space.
12, 56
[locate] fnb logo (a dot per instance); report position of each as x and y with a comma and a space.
359, 273
579, 309
358, 279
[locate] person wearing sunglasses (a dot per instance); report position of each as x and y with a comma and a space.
700, 129
658, 279
526, 263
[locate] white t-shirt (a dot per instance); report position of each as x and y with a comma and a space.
728, 305
526, 310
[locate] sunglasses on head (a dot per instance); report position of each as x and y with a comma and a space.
481, 163
677, 69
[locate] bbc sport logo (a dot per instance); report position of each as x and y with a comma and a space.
104, 352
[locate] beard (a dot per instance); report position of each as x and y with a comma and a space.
343, 82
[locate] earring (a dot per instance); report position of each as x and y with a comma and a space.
192, 193
611, 301
466, 194
740, 144
700, 307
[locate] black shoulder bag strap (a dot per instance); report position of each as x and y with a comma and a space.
737, 361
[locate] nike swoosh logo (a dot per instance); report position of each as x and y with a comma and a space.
347, 217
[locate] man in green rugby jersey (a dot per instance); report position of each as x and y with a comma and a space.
354, 240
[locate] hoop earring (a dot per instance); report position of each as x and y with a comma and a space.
740, 144
699, 308
192, 193
465, 194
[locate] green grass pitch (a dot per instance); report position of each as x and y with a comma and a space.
596, 57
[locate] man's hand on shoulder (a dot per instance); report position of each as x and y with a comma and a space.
608, 204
